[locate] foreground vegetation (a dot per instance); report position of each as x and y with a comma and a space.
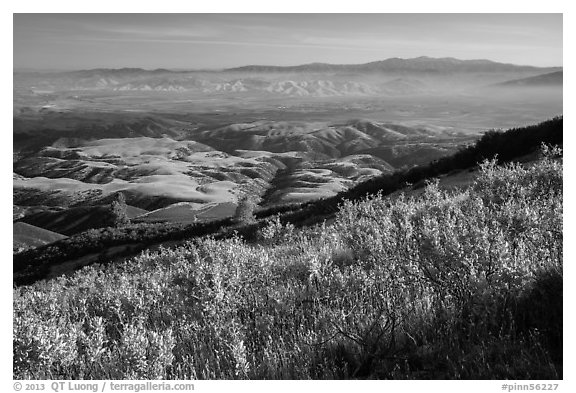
463, 284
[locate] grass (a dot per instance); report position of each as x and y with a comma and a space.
457, 285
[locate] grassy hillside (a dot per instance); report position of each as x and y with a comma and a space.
26, 236
78, 219
464, 284
506, 146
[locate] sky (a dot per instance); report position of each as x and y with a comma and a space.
215, 41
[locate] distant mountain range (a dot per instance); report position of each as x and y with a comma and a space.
395, 64
390, 77
418, 64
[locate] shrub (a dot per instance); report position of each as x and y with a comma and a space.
118, 214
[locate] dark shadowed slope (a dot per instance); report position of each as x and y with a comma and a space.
27, 236
79, 219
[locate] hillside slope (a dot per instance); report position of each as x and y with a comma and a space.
27, 236
75, 220
446, 285
550, 79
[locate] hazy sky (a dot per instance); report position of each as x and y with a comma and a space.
191, 41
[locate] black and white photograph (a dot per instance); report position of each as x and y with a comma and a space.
287, 196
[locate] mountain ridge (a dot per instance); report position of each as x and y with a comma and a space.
422, 63
388, 64
389, 77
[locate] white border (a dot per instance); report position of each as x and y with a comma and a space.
303, 6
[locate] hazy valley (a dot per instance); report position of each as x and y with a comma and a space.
195, 141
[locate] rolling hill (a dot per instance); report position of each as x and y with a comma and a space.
549, 79
75, 220
216, 165
27, 236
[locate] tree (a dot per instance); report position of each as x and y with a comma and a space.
245, 211
118, 213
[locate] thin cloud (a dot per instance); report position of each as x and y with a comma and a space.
167, 40
281, 39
